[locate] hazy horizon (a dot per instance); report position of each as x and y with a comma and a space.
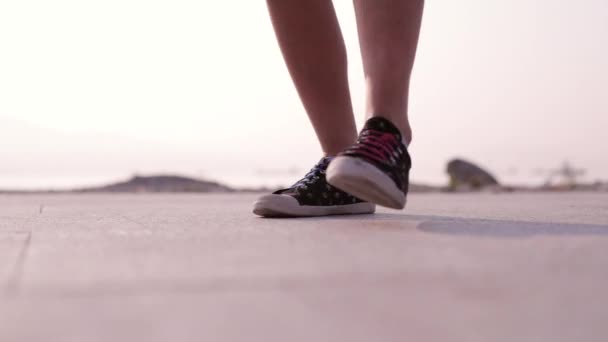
95, 92
149, 157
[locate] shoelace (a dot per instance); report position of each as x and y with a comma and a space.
313, 175
378, 145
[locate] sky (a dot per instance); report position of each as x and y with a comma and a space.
95, 91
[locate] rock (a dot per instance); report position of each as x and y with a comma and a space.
163, 183
468, 176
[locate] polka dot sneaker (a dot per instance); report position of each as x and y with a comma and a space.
311, 196
376, 168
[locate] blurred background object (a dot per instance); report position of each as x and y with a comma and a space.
465, 175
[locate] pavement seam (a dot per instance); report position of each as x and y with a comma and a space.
13, 283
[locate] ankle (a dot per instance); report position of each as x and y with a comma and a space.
334, 147
401, 123
406, 135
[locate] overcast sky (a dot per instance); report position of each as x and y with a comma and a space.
199, 87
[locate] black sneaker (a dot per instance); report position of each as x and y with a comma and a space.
311, 196
376, 168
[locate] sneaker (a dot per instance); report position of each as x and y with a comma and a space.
376, 168
311, 196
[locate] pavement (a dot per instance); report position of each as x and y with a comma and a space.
451, 267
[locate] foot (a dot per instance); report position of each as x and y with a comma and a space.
376, 168
311, 196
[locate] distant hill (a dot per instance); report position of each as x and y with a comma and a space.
162, 183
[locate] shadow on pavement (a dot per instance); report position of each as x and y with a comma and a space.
470, 226
503, 228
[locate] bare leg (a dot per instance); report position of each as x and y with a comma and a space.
310, 39
388, 35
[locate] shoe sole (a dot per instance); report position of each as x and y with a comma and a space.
286, 206
365, 181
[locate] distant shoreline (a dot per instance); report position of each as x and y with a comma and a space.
179, 184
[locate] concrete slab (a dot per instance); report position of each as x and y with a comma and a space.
466, 267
